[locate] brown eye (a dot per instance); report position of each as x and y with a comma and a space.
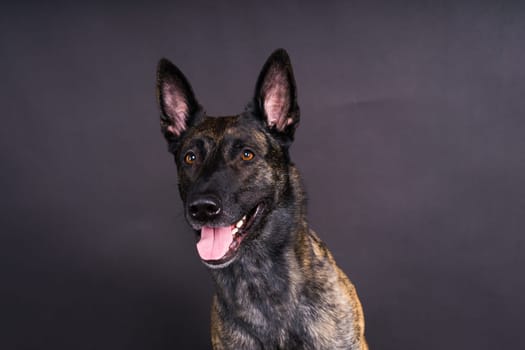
247, 155
190, 158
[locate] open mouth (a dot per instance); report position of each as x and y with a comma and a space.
219, 245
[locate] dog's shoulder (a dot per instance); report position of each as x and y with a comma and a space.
321, 272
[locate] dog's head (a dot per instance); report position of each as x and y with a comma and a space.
233, 171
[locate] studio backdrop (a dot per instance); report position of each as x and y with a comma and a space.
411, 146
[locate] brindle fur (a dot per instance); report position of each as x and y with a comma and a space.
284, 289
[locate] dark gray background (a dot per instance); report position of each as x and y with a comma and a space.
411, 145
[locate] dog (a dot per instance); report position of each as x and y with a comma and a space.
277, 284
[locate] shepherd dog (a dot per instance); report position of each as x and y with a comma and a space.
277, 285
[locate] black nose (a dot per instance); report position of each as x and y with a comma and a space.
205, 208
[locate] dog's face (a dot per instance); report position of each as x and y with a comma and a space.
232, 170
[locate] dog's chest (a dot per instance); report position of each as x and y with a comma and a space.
268, 320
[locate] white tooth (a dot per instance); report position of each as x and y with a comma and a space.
244, 218
235, 230
239, 224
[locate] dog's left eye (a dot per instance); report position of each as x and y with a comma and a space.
247, 155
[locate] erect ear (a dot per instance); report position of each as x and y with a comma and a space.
179, 108
275, 95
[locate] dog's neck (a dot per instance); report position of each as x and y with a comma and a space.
262, 265
259, 282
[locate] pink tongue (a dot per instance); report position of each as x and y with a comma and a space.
214, 242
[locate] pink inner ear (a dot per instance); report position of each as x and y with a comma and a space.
176, 107
277, 100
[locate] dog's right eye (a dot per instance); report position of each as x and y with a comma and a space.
190, 158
